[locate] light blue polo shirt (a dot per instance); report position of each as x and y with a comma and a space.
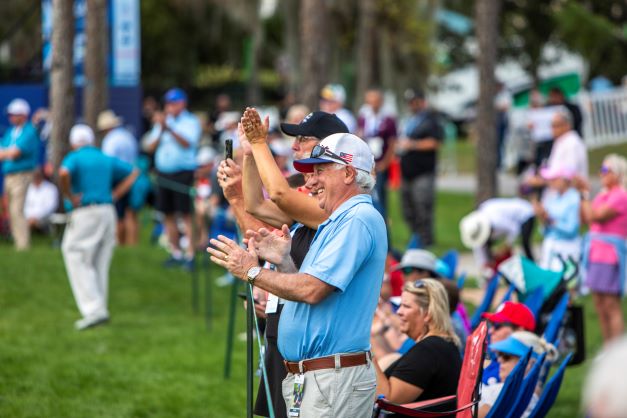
27, 140
93, 174
563, 210
170, 156
348, 252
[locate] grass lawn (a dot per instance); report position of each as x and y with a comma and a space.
464, 154
156, 358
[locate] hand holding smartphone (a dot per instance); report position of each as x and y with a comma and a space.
228, 149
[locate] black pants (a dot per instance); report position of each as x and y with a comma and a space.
526, 232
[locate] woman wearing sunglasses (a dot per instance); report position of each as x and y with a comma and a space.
508, 353
604, 250
430, 369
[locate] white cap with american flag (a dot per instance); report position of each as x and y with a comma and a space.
340, 148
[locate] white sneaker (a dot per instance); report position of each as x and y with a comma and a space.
90, 321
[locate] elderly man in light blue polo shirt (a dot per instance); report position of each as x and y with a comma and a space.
324, 331
174, 140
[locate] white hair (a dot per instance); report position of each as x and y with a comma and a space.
618, 165
81, 134
365, 181
605, 387
564, 113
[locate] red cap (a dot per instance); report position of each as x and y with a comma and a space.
514, 313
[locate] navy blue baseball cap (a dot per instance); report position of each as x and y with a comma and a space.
175, 95
317, 124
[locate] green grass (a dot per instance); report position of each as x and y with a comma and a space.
156, 358
464, 152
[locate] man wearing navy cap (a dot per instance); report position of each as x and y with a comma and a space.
319, 330
19, 153
174, 139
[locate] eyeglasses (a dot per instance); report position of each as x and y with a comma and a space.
605, 169
319, 151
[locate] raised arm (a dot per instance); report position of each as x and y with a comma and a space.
295, 204
230, 179
254, 201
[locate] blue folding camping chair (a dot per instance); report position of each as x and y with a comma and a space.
510, 390
551, 332
488, 297
527, 389
451, 258
549, 394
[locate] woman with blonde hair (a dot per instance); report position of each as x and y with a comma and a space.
430, 369
604, 250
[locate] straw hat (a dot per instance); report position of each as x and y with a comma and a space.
108, 120
474, 229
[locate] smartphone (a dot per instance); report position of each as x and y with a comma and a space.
229, 148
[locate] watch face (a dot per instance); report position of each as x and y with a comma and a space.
254, 272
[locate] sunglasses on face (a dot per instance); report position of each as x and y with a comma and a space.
410, 270
605, 170
319, 151
505, 357
498, 325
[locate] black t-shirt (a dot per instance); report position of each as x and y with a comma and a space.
415, 163
300, 244
433, 365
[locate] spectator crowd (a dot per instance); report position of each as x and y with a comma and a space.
347, 316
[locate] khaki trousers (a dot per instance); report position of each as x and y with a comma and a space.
87, 249
347, 392
15, 187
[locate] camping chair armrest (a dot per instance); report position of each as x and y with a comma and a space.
407, 409
430, 402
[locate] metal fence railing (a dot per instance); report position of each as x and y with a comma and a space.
605, 117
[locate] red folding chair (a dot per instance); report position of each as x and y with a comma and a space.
468, 386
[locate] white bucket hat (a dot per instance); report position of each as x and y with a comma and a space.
474, 229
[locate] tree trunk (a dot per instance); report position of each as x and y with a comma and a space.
365, 48
290, 30
95, 89
61, 79
487, 17
315, 57
253, 93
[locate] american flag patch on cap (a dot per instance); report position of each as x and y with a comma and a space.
346, 157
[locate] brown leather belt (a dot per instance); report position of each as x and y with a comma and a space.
346, 360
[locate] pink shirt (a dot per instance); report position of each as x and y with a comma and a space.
616, 198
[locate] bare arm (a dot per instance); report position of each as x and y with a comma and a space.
295, 204
10, 153
395, 389
66, 188
230, 179
299, 287
254, 201
589, 214
125, 185
180, 139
